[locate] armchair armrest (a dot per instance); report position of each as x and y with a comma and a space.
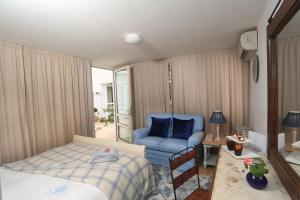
140, 133
195, 139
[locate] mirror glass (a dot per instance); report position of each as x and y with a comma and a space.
288, 52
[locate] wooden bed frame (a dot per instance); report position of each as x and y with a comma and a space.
138, 150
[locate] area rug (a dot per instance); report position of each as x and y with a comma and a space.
164, 190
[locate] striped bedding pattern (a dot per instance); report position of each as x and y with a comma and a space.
130, 177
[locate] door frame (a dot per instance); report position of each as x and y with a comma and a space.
130, 115
108, 69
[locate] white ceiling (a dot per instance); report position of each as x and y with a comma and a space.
95, 29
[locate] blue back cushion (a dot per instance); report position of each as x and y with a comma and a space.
159, 127
182, 129
198, 120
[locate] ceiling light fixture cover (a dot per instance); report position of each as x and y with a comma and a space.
132, 38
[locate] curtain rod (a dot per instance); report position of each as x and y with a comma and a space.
275, 9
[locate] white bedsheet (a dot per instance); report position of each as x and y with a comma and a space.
23, 186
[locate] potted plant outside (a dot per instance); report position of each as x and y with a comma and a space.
95, 116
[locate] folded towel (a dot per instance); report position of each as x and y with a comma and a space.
105, 152
105, 155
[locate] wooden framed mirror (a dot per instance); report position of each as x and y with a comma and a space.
284, 94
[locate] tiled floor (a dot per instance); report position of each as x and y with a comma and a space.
105, 131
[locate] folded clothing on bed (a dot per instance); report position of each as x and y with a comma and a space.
106, 154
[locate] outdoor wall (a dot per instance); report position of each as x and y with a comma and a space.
258, 97
101, 78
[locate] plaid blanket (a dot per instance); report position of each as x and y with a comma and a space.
130, 177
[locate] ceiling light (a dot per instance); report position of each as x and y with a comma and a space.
132, 38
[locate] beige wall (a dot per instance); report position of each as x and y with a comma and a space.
258, 97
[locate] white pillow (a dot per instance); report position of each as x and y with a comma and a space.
259, 141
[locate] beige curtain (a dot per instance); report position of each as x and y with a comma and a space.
58, 98
151, 89
13, 138
45, 98
288, 76
216, 80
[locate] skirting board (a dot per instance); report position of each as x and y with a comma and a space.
134, 149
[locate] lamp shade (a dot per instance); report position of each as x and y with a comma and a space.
217, 117
292, 119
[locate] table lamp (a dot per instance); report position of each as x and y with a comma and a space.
217, 118
292, 120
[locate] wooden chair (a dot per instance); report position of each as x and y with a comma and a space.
175, 162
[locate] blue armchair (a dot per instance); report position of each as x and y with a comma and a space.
158, 149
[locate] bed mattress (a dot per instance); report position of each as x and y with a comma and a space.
24, 186
130, 177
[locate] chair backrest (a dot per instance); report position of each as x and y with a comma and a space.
180, 160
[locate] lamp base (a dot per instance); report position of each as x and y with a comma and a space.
295, 136
218, 133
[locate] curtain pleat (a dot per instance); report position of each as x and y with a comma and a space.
205, 82
201, 84
58, 88
13, 131
46, 98
151, 89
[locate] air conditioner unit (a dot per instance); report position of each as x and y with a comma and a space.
248, 45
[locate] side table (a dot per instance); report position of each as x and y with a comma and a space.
211, 159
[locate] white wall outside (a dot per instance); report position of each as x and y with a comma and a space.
101, 79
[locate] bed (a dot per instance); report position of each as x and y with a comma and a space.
66, 173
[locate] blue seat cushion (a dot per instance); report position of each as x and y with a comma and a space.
182, 129
160, 127
151, 142
173, 145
